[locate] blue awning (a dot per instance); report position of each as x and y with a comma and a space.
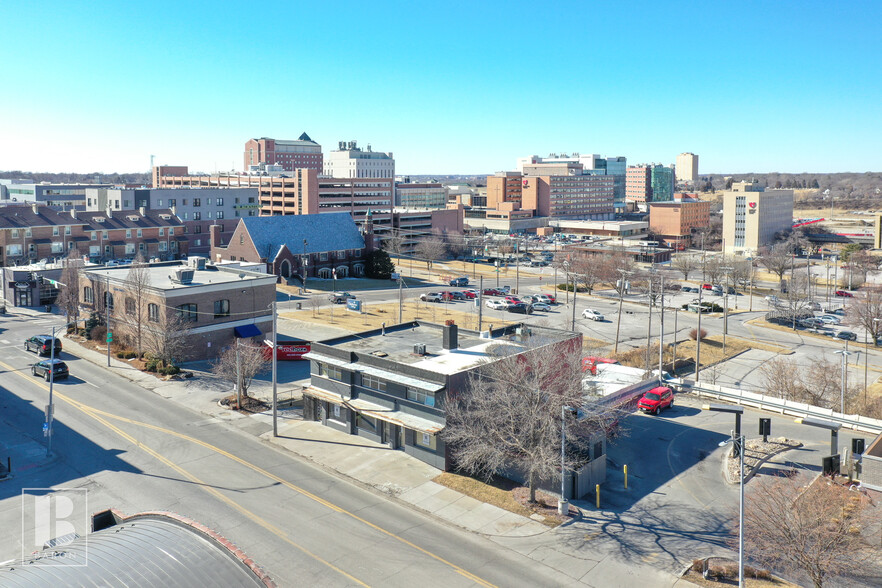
247, 331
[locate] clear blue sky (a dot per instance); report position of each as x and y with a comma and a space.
449, 87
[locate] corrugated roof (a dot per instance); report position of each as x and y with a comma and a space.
330, 231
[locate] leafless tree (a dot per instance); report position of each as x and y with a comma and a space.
777, 259
743, 272
394, 244
589, 271
817, 384
860, 265
509, 417
685, 264
865, 310
168, 338
796, 302
430, 249
713, 268
242, 362
137, 286
69, 295
819, 530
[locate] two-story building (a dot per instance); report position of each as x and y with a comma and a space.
219, 304
317, 244
31, 233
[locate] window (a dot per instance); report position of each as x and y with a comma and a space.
67, 230
184, 201
220, 202
172, 202
421, 396
373, 382
94, 235
163, 246
130, 248
88, 295
130, 306
128, 233
153, 313
425, 440
161, 232
186, 216
341, 255
54, 231
323, 257
187, 312
241, 239
142, 246
15, 233
220, 214
28, 232
57, 247
159, 204
330, 371
104, 235
221, 308
196, 215
171, 231
208, 201
196, 202
208, 215
140, 234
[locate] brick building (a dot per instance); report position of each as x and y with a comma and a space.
327, 242
288, 154
576, 196
672, 222
219, 304
28, 234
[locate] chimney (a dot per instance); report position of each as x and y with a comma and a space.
73, 213
142, 210
36, 208
109, 212
451, 335
214, 236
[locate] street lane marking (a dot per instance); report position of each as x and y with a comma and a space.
99, 415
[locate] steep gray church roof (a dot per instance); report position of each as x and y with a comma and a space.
331, 231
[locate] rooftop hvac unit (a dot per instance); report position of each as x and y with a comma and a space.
419, 349
182, 276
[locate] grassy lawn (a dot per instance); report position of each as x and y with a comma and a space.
697, 579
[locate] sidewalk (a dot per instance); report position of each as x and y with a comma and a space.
21, 452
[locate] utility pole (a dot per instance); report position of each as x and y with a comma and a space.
661, 334
575, 289
480, 302
698, 336
649, 324
50, 410
619, 318
238, 379
400, 294
275, 372
518, 267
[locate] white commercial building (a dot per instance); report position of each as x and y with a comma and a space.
687, 167
753, 217
349, 161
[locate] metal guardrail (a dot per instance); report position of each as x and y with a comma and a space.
778, 405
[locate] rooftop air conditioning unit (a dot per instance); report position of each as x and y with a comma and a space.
419, 349
182, 276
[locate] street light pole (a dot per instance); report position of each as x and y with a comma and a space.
305, 262
107, 318
275, 373
844, 353
575, 289
563, 506
698, 336
661, 333
51, 408
621, 299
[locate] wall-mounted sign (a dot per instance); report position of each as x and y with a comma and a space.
22, 286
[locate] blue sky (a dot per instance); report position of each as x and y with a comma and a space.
449, 87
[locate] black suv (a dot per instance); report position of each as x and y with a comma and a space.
42, 368
42, 345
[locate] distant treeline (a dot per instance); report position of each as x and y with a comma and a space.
842, 186
72, 178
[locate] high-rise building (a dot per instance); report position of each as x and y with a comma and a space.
290, 155
752, 217
662, 183
687, 167
504, 187
575, 164
350, 161
638, 183
673, 222
576, 196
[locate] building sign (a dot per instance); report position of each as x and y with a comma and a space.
22, 286
353, 304
287, 350
752, 206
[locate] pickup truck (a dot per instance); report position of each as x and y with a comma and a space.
340, 297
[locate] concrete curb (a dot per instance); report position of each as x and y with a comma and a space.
756, 466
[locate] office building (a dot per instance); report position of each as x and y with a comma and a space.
753, 217
673, 222
576, 163
662, 183
58, 196
304, 153
350, 161
576, 196
638, 183
687, 168
504, 188
415, 195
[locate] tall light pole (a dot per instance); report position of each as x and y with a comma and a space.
661, 330
844, 353
621, 299
275, 373
738, 445
698, 336
566, 267
726, 270
303, 264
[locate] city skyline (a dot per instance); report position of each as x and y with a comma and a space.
458, 89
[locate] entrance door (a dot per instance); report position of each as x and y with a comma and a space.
24, 298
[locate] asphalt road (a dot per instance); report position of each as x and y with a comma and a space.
135, 451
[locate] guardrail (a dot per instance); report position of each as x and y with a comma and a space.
778, 405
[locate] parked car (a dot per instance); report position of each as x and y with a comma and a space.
42, 345
547, 298
521, 307
513, 299
717, 289
846, 336
707, 286
470, 294
506, 289
814, 306
844, 294
829, 319
592, 314
493, 292
431, 297
655, 400
460, 281
771, 298
43, 368
838, 312
811, 323
340, 297
685, 288
541, 306
457, 295
496, 304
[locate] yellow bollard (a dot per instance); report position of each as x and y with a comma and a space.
626, 476
597, 493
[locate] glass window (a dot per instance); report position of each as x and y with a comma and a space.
130, 306
128, 233
220, 202
220, 214
196, 202
187, 312
221, 308
94, 236
153, 313
15, 233
373, 382
104, 234
140, 234
161, 232
54, 231
88, 295
67, 230
197, 215
421, 396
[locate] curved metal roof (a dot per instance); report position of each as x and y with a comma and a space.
147, 550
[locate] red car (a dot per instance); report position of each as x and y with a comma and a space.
844, 294
656, 399
590, 363
707, 286
470, 294
550, 297
513, 299
493, 292
447, 295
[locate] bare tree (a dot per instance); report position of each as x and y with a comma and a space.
818, 531
589, 271
796, 302
509, 417
137, 285
394, 243
430, 249
817, 384
713, 268
685, 264
777, 259
168, 338
865, 310
860, 265
743, 272
241, 362
69, 295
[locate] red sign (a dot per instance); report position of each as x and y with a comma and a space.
526, 183
752, 204
287, 350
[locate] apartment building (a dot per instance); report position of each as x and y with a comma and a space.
350, 161
687, 167
217, 304
673, 222
575, 196
199, 208
288, 154
754, 217
28, 234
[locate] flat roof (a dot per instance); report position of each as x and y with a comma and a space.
160, 275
